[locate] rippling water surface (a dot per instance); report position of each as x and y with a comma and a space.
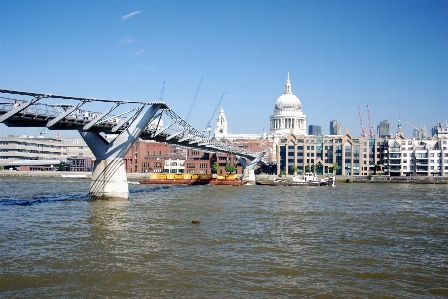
354, 240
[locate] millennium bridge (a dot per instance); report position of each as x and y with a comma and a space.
128, 120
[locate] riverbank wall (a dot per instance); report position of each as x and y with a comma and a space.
372, 179
339, 178
66, 174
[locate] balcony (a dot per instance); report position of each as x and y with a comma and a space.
395, 169
395, 162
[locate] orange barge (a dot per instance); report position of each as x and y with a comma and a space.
192, 179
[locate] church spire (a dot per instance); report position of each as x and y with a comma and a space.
288, 86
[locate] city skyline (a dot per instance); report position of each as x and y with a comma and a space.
340, 55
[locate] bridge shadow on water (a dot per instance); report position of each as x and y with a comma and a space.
55, 197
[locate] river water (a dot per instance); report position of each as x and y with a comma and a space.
354, 240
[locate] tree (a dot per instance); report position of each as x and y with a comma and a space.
230, 168
149, 169
307, 168
215, 167
294, 169
334, 167
1, 167
62, 166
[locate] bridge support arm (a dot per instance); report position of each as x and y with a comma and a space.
249, 169
19, 108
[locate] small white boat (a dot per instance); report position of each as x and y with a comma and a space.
310, 179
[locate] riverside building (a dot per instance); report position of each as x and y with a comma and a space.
398, 156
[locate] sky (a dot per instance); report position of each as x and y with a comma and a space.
390, 55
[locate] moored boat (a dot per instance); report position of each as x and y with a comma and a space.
307, 179
192, 179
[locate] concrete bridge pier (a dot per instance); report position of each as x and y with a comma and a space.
109, 179
249, 169
248, 175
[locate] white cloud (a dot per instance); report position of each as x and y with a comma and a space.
139, 52
124, 18
126, 41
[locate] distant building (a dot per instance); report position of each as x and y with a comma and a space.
384, 129
314, 130
288, 115
221, 125
420, 133
440, 130
335, 127
416, 134
29, 153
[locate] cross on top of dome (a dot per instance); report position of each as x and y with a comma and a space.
288, 100
288, 86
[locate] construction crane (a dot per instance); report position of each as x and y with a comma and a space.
194, 99
161, 93
208, 127
370, 124
419, 130
363, 129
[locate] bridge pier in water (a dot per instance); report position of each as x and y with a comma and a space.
248, 175
109, 179
249, 169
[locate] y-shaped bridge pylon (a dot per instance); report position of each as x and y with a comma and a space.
109, 180
249, 168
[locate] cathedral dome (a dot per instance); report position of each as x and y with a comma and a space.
288, 115
288, 100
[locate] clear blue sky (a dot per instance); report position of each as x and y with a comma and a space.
391, 55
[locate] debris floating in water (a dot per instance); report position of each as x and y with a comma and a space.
195, 221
